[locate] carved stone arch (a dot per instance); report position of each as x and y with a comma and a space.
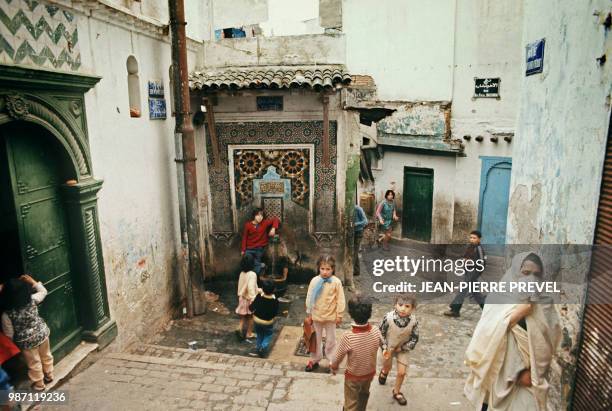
28, 108
55, 101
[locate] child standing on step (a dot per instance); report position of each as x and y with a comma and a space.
247, 291
361, 346
400, 332
324, 306
264, 308
22, 323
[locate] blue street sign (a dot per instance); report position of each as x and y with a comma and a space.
156, 88
157, 108
535, 57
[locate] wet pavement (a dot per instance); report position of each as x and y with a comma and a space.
214, 331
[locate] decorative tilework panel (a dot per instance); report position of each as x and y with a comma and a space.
265, 133
273, 207
250, 164
39, 34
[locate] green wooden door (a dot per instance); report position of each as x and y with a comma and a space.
417, 203
36, 174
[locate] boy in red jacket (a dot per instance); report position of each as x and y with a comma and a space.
255, 236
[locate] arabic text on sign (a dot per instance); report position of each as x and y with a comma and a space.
273, 187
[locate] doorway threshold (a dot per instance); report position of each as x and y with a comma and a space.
64, 368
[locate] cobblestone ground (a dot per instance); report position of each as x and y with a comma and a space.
170, 376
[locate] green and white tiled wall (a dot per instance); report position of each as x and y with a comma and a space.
38, 34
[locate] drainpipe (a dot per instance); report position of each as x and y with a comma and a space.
184, 134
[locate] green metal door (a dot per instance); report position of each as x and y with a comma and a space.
417, 203
36, 173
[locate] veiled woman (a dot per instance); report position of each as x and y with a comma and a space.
513, 345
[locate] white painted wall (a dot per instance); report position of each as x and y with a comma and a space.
406, 45
270, 51
562, 126
487, 44
432, 52
138, 203
560, 145
392, 178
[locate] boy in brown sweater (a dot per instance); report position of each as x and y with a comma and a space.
360, 345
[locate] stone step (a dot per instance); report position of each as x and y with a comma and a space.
199, 358
156, 377
206, 360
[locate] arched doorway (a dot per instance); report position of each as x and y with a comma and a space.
50, 228
494, 197
35, 227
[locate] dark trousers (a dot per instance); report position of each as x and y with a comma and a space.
257, 254
471, 276
356, 246
264, 336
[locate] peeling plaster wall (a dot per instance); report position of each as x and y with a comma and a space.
488, 44
443, 189
418, 37
565, 111
560, 144
138, 203
432, 53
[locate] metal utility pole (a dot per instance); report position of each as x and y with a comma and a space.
185, 139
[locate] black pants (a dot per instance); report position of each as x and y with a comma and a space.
470, 276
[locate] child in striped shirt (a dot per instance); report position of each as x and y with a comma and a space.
360, 345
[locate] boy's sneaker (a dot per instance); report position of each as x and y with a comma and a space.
311, 366
254, 353
451, 313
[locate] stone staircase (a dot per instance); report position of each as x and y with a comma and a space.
155, 377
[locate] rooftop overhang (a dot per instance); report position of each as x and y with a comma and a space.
313, 77
432, 144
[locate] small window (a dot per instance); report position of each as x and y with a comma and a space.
270, 103
133, 86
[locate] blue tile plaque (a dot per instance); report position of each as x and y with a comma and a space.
535, 57
157, 108
156, 88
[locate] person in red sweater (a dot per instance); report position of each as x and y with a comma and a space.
255, 236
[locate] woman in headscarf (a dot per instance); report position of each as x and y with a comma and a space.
513, 345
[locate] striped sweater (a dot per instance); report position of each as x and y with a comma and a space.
360, 345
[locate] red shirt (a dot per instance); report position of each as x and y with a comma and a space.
255, 236
7, 349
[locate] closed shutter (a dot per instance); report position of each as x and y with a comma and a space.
593, 386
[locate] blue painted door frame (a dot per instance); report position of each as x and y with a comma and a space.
493, 199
